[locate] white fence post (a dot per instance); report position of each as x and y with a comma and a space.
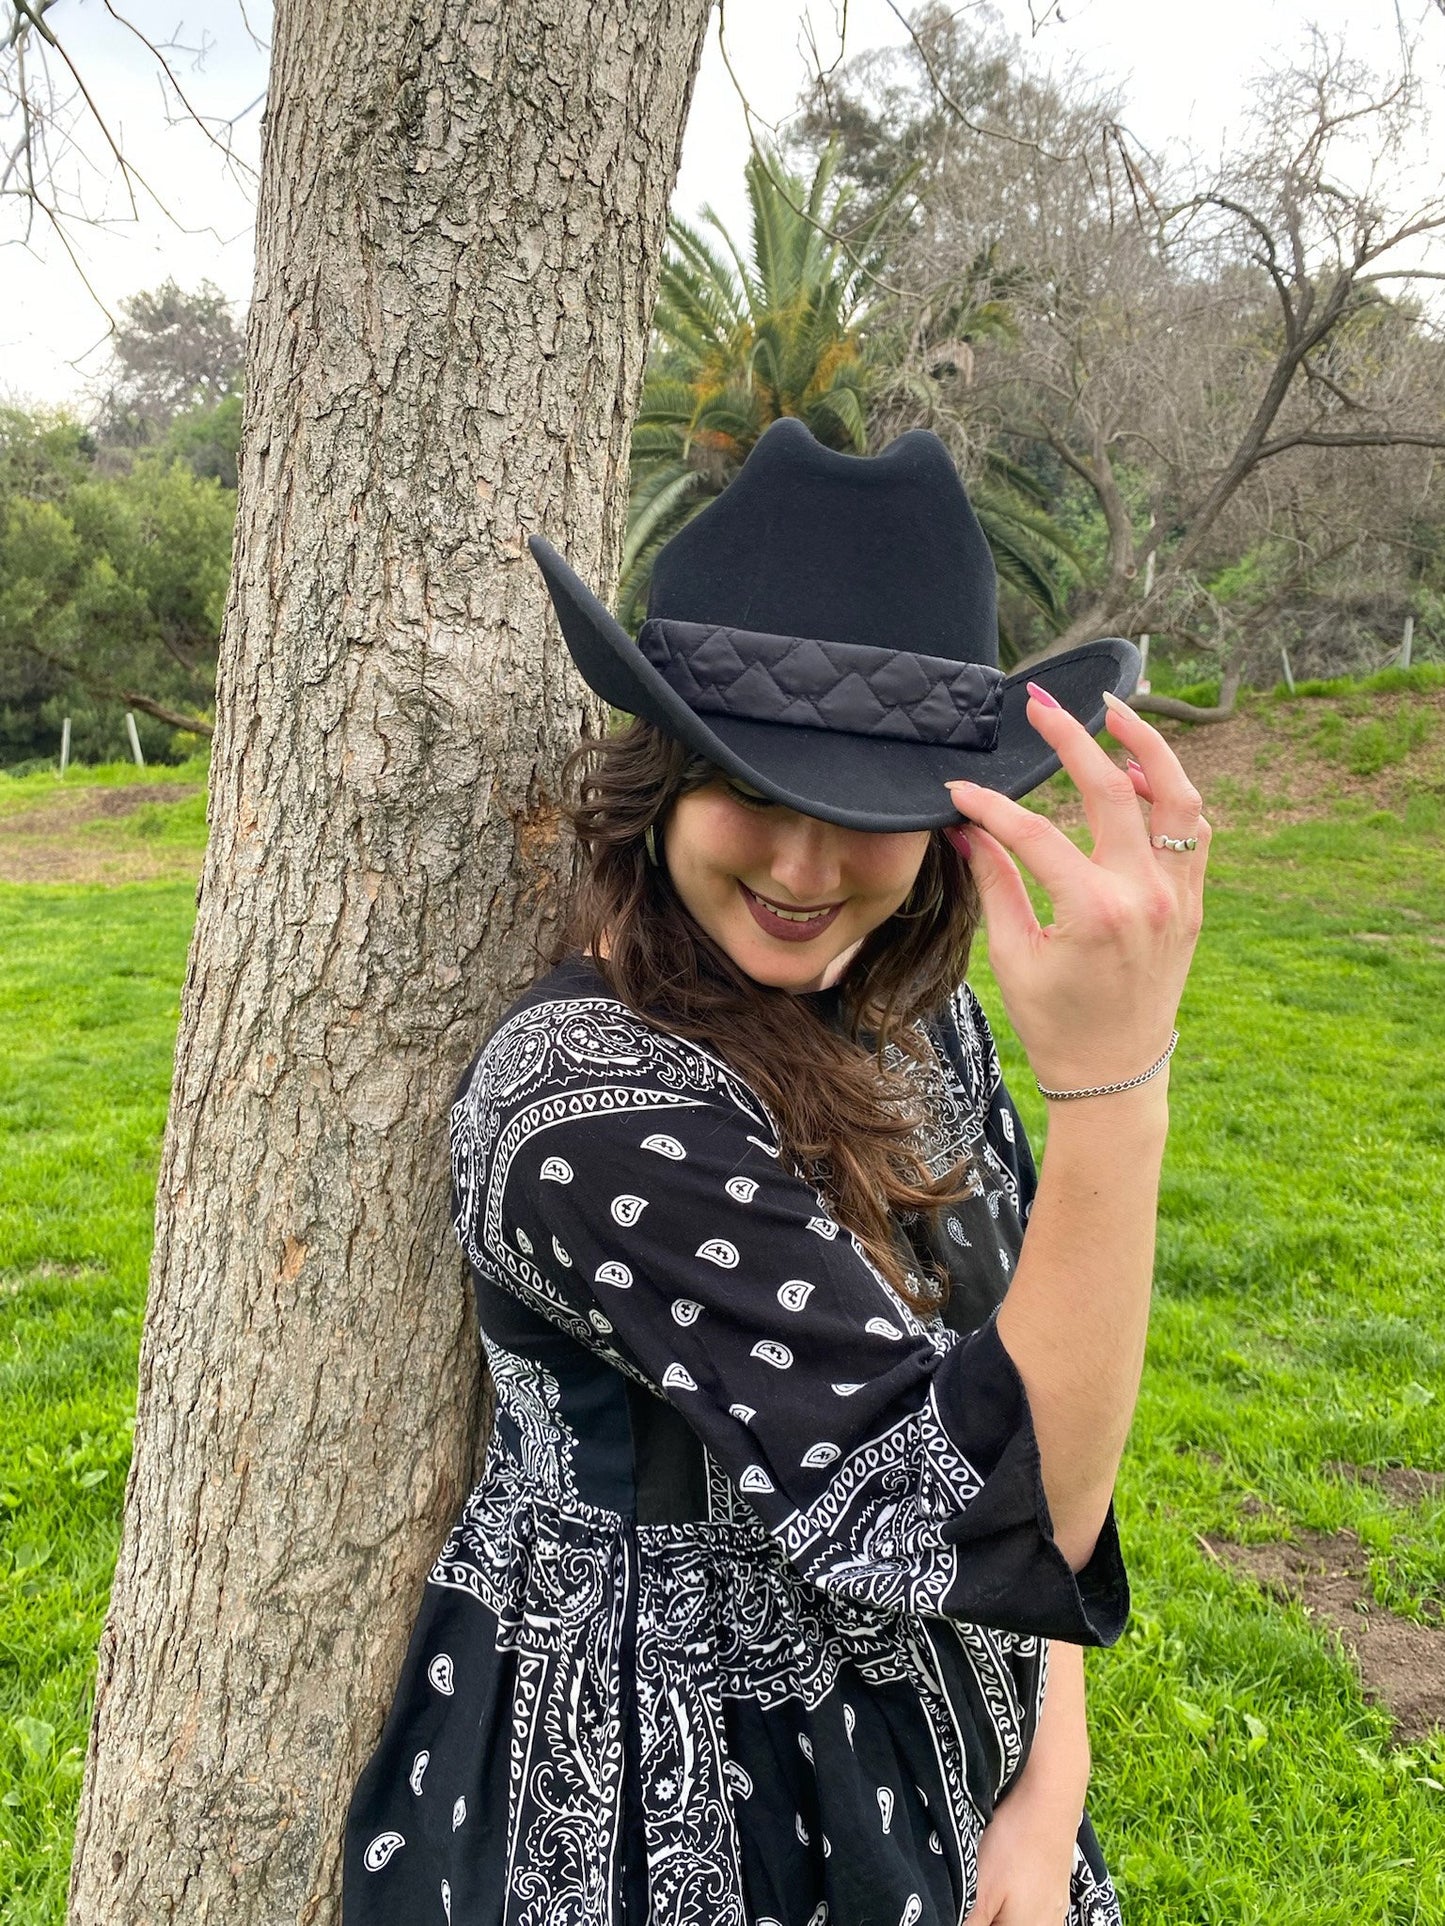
134, 739
1408, 643
1288, 672
65, 745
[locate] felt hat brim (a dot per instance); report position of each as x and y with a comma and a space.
860, 782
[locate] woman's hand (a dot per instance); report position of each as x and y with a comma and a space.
1025, 1861
1092, 996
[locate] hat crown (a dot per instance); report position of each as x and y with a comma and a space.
883, 550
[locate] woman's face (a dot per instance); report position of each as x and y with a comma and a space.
725, 845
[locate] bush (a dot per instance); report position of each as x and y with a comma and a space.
1418, 678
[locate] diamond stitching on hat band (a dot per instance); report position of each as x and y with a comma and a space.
813, 684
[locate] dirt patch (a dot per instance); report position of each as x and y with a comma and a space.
1402, 1484
1266, 763
48, 844
1401, 1664
69, 808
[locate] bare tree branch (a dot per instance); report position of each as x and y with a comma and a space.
46, 128
1180, 711
102, 685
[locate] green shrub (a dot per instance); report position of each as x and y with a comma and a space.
1420, 677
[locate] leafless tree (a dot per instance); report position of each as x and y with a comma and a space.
1240, 365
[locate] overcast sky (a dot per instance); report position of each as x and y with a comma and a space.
1185, 68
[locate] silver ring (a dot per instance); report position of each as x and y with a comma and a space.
1182, 843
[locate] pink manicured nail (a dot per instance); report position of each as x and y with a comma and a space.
1135, 765
959, 839
1042, 695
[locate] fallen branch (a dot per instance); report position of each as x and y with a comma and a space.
176, 718
102, 686
1177, 711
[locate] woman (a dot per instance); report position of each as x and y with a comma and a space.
769, 1608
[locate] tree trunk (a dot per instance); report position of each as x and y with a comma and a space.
461, 220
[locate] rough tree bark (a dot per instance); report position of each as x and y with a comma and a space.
461, 220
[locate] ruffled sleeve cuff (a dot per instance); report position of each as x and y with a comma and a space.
1010, 1572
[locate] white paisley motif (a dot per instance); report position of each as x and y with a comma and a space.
771, 1352
664, 1146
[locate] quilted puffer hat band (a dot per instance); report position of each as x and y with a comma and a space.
826, 630
826, 685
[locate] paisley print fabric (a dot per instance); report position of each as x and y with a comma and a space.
747, 1621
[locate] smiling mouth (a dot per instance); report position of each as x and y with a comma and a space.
791, 913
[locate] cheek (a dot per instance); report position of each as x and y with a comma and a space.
892, 871
722, 839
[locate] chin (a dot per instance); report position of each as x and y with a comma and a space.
799, 971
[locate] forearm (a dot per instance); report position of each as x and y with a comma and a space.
1055, 1778
1061, 1743
1076, 1314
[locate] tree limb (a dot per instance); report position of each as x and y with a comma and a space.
1177, 711
103, 686
1383, 438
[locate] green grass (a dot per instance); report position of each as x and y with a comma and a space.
1240, 1777
89, 1001
1391, 681
1239, 1774
39, 786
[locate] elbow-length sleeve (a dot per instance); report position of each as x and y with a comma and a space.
895, 1463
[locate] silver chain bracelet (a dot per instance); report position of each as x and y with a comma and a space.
1108, 1089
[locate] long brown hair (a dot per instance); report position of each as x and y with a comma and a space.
846, 1118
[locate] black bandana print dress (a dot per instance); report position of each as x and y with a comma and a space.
746, 1623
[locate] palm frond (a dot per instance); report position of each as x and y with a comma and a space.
654, 502
637, 573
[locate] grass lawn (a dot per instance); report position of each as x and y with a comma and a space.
1241, 1775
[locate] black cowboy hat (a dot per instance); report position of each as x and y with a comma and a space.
827, 631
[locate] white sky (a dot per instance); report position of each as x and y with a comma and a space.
1185, 66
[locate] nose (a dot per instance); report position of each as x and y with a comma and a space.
807, 863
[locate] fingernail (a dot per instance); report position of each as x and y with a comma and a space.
959, 839
1042, 695
1112, 701
1136, 765
959, 782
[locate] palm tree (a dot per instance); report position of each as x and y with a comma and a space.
805, 326
739, 342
